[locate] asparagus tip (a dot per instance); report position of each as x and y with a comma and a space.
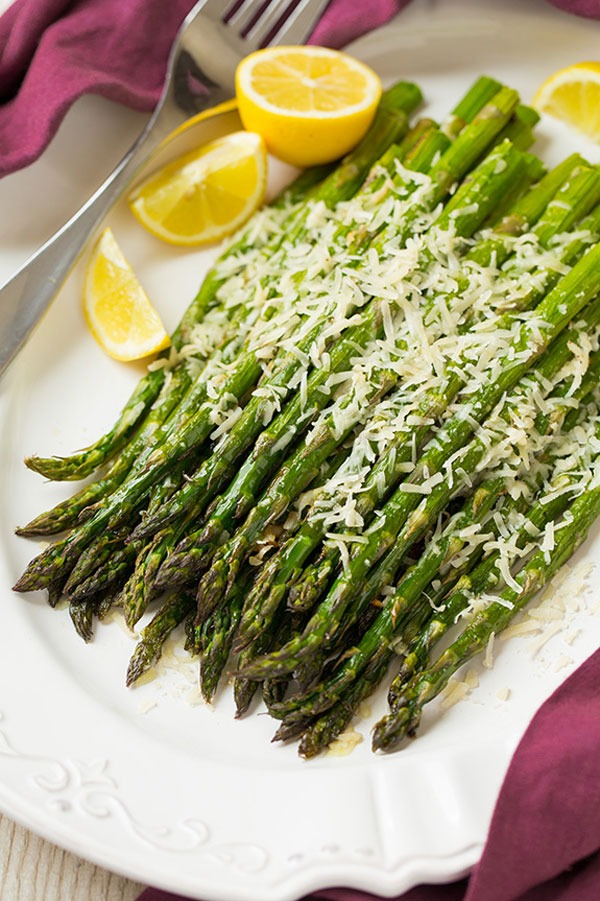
141, 661
392, 729
82, 618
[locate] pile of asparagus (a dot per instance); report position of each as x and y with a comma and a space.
378, 421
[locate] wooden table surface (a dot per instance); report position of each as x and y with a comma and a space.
32, 869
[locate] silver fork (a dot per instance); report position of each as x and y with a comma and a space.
215, 35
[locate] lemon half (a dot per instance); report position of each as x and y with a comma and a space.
310, 104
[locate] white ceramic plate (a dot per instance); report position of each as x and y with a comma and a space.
143, 781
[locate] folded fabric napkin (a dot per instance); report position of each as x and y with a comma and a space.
53, 51
544, 841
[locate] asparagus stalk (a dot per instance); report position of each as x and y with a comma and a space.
406, 600
536, 573
450, 168
481, 193
437, 556
216, 639
244, 689
481, 92
401, 520
125, 500
153, 636
551, 501
317, 736
185, 439
386, 472
389, 124
217, 469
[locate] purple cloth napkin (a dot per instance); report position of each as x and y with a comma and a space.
53, 51
544, 839
589, 8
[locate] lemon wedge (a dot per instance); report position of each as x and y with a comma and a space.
573, 96
116, 307
205, 194
310, 104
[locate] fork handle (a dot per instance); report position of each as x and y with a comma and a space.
27, 295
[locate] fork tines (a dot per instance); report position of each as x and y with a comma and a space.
274, 21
